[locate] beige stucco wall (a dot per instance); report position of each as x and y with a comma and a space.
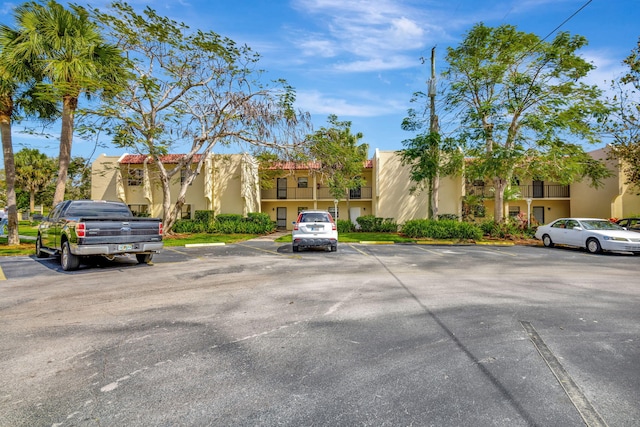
227, 184
392, 197
103, 178
226, 171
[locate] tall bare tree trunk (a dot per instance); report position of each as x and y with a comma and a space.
13, 238
69, 105
499, 185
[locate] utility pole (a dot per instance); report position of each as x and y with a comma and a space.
434, 129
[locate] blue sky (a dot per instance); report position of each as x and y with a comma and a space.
361, 59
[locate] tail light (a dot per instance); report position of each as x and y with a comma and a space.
295, 226
81, 229
160, 228
333, 226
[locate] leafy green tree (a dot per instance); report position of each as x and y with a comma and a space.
71, 53
79, 182
429, 157
340, 156
525, 111
191, 89
624, 123
34, 170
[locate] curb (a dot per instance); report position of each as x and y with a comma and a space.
198, 245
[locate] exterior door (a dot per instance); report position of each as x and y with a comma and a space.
538, 189
282, 188
538, 214
281, 217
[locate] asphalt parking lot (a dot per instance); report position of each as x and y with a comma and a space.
376, 335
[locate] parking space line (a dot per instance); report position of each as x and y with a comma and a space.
588, 413
484, 249
2, 276
260, 249
358, 250
430, 251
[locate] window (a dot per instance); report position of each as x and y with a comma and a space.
135, 177
334, 212
303, 182
185, 213
183, 176
514, 211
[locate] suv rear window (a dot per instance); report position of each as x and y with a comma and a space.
315, 217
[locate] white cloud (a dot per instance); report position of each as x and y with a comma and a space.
377, 64
364, 104
362, 35
317, 47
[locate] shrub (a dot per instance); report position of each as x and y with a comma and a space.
188, 226
447, 216
345, 226
229, 217
373, 224
511, 228
441, 229
254, 223
206, 217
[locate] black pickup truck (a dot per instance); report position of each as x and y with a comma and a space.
84, 229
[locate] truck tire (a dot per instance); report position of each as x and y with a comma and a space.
144, 258
39, 252
68, 261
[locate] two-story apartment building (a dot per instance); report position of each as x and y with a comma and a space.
229, 184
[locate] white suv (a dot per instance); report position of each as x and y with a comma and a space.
314, 229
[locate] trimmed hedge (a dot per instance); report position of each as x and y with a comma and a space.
254, 223
441, 229
345, 226
373, 224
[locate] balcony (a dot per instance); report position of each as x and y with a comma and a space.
292, 193
322, 193
546, 191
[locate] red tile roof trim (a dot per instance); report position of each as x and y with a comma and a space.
368, 164
138, 159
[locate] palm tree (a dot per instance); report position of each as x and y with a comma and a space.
33, 171
75, 59
17, 79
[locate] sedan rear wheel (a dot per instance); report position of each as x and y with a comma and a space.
546, 240
593, 246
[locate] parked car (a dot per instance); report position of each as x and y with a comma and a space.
314, 229
82, 229
632, 224
593, 234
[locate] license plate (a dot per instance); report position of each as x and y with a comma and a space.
125, 247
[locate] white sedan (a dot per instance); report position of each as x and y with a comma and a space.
595, 235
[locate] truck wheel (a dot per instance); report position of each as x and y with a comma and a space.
39, 252
68, 260
144, 258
